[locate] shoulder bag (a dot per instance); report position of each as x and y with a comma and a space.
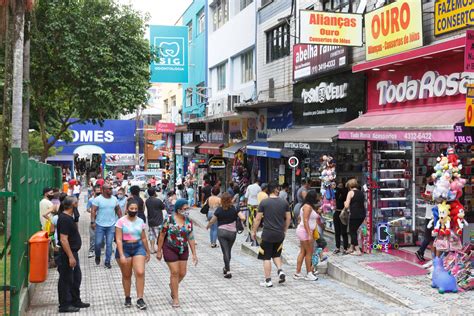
205, 208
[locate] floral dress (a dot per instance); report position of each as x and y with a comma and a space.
176, 236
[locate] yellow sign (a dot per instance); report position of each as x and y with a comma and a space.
327, 28
453, 15
216, 163
393, 29
469, 120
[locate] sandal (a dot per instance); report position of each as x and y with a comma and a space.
175, 305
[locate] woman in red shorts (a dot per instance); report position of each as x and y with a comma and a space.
176, 234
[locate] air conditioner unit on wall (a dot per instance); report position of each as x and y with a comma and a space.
232, 101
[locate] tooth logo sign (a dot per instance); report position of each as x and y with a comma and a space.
170, 51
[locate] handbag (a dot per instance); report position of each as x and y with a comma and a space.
239, 226
344, 216
205, 208
49, 227
316, 234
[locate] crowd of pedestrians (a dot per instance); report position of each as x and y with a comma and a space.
118, 217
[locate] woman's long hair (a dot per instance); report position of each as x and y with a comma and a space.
226, 201
312, 199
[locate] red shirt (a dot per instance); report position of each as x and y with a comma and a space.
100, 182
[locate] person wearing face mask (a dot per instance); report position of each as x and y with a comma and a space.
122, 199
95, 193
46, 207
132, 252
176, 237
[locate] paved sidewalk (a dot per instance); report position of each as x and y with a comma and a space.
205, 291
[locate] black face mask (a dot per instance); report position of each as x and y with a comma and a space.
97, 193
132, 214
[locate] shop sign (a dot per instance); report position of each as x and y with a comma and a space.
431, 85
469, 50
412, 136
121, 159
309, 60
187, 138
216, 137
451, 15
279, 120
463, 134
329, 28
293, 162
216, 163
334, 99
262, 125
167, 128
290, 145
393, 29
469, 120
171, 43
178, 144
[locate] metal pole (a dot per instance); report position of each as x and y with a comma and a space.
293, 184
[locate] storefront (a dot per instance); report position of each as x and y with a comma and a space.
415, 110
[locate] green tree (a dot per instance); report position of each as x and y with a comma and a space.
89, 62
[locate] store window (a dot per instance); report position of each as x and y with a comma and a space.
220, 13
221, 76
190, 31
278, 42
244, 4
246, 61
189, 97
201, 93
201, 22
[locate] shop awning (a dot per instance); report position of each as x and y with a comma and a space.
210, 148
60, 158
261, 149
230, 151
190, 149
317, 134
426, 124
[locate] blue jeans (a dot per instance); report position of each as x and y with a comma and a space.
108, 233
213, 230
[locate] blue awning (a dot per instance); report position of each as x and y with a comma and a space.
261, 149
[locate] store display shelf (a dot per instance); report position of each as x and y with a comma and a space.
392, 151
392, 170
392, 189
392, 208
392, 179
393, 199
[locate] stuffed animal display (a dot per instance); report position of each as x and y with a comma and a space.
442, 279
328, 182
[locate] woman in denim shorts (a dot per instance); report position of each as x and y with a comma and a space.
132, 252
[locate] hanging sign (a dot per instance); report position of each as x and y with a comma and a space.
309, 60
469, 51
469, 121
329, 28
216, 163
393, 29
293, 162
451, 15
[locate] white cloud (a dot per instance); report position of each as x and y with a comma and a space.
161, 12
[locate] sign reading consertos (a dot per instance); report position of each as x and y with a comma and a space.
328, 28
393, 29
171, 45
451, 15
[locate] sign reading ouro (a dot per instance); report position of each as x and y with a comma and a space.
328, 28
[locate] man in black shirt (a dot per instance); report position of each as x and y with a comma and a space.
70, 274
154, 208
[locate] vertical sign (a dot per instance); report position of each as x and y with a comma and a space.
469, 121
369, 192
469, 52
171, 46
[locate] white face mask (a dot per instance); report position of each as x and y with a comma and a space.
120, 196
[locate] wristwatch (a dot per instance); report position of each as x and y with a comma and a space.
92, 222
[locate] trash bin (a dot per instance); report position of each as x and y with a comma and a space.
39, 247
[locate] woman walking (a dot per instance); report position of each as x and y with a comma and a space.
355, 202
226, 216
132, 252
304, 232
214, 202
176, 234
339, 228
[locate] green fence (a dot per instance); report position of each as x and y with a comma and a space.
26, 179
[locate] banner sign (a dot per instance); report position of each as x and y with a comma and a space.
309, 60
279, 120
167, 128
328, 28
171, 45
463, 134
114, 137
469, 120
451, 15
329, 100
393, 29
469, 51
216, 163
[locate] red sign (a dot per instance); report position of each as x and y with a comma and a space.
309, 60
469, 51
167, 128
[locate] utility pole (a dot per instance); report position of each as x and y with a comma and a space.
137, 136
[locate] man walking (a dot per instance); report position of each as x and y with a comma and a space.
276, 216
251, 200
154, 208
104, 215
92, 230
70, 275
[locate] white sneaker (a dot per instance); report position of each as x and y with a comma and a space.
428, 264
311, 277
91, 254
298, 276
266, 284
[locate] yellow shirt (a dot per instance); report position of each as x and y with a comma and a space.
261, 196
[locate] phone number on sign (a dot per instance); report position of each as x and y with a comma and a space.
324, 66
418, 136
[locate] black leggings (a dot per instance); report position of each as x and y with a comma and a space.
226, 240
354, 224
340, 230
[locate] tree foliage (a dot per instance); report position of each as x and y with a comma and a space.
89, 62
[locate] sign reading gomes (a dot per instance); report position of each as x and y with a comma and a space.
171, 45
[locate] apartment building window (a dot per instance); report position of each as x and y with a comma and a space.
246, 62
189, 97
220, 13
165, 106
278, 42
339, 5
201, 22
221, 73
265, 2
244, 4
201, 93
190, 31
173, 101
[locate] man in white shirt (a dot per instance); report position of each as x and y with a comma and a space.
46, 206
251, 199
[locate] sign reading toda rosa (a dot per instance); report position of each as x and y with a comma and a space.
393, 29
327, 28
